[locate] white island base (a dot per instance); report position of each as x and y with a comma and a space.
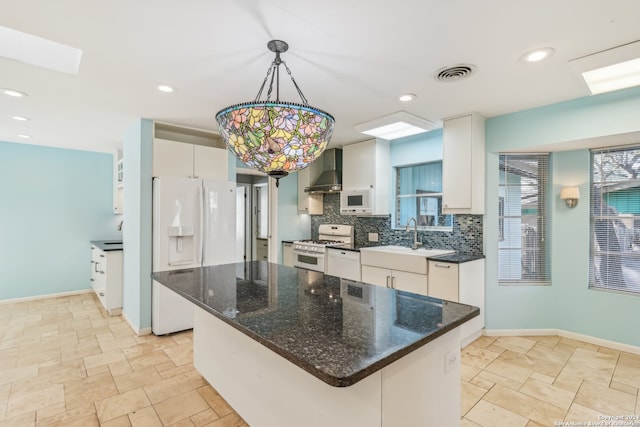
419, 389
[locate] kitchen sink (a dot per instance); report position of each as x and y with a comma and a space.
399, 257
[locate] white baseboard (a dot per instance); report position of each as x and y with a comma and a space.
47, 296
139, 331
565, 334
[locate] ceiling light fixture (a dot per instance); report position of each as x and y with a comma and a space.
14, 93
20, 118
25, 136
609, 70
396, 125
407, 97
273, 136
537, 55
165, 88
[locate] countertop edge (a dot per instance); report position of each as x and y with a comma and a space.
107, 245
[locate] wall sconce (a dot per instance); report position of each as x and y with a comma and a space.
570, 195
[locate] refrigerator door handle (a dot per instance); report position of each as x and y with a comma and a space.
203, 220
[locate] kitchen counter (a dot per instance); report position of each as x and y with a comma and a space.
107, 245
307, 324
289, 346
456, 258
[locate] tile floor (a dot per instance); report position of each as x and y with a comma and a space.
64, 362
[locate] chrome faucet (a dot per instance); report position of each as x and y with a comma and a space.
416, 243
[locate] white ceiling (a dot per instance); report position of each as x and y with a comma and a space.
350, 57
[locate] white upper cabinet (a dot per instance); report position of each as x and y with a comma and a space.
309, 203
173, 158
463, 165
367, 165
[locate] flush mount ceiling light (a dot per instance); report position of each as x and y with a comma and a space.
273, 136
537, 55
38, 51
24, 136
14, 93
609, 70
396, 125
165, 88
20, 118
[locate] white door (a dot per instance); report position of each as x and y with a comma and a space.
219, 223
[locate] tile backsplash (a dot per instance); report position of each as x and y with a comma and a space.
466, 236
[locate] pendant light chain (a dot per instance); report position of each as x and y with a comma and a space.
275, 65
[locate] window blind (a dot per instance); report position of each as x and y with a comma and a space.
615, 219
523, 255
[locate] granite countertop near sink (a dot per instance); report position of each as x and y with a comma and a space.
457, 258
108, 245
338, 330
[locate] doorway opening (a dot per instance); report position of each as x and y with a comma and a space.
252, 218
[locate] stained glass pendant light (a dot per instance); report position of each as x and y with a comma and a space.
273, 136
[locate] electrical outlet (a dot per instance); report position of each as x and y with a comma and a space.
373, 237
451, 359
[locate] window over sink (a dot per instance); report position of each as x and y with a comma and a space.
419, 195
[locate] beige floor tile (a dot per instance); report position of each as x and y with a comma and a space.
181, 354
516, 344
499, 379
509, 370
147, 360
103, 358
527, 406
532, 423
121, 421
145, 417
483, 341
471, 394
568, 382
483, 383
487, 414
623, 387
477, 356
174, 386
559, 354
180, 407
465, 422
86, 391
108, 342
136, 379
528, 361
70, 416
604, 399
542, 378
627, 374
24, 420
176, 370
598, 375
231, 420
548, 393
18, 373
90, 420
80, 350
467, 372
24, 402
51, 410
581, 414
121, 404
594, 359
214, 400
121, 367
546, 340
205, 417
579, 344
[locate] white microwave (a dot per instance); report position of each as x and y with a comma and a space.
356, 202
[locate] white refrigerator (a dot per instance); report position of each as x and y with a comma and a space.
194, 225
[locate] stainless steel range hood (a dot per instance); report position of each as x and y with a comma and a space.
330, 179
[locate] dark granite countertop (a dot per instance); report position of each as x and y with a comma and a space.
338, 330
108, 245
287, 241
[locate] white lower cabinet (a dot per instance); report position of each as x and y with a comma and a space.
106, 278
262, 249
287, 254
343, 263
400, 280
462, 283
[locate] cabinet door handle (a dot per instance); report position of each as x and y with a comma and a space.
393, 282
442, 265
95, 267
387, 284
101, 294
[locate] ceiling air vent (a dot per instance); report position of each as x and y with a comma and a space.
454, 73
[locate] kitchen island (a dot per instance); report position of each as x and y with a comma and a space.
287, 346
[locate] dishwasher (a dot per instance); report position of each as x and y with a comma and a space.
343, 263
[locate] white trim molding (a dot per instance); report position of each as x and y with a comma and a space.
565, 334
47, 296
139, 331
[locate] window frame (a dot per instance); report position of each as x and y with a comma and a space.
542, 250
418, 196
596, 200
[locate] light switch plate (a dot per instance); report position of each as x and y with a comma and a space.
373, 237
451, 359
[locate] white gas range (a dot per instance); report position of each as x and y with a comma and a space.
311, 254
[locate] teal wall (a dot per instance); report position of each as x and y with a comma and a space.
567, 304
137, 152
54, 201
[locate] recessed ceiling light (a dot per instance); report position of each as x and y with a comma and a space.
407, 97
25, 136
20, 118
165, 88
14, 93
537, 55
